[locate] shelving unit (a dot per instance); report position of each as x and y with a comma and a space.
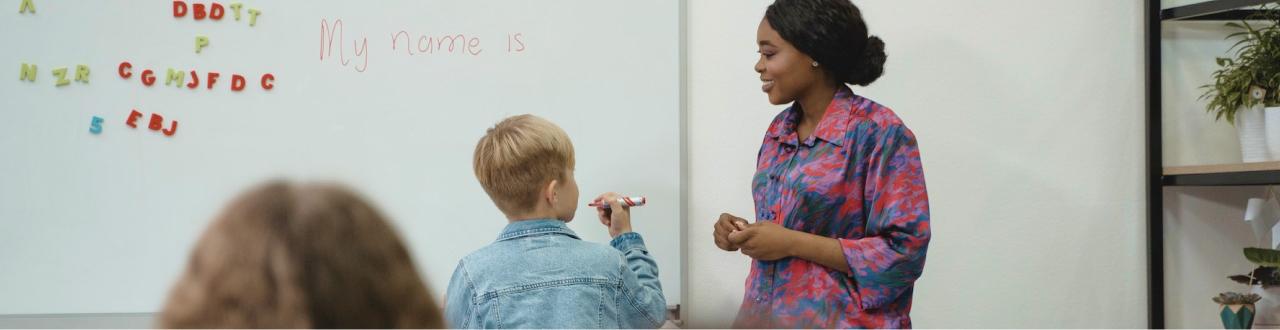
1248, 174
1217, 10
1158, 176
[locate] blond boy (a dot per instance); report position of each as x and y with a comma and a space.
539, 274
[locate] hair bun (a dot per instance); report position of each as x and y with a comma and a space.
870, 64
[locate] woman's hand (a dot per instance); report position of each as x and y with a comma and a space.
617, 217
765, 240
728, 223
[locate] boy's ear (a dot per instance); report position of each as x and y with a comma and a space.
549, 191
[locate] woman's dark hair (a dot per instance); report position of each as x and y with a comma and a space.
833, 33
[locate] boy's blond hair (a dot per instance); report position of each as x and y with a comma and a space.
517, 157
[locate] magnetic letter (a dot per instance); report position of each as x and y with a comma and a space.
216, 12
157, 122
237, 82
61, 73
82, 73
213, 76
174, 76
197, 11
148, 77
125, 70
195, 80
253, 16
133, 118
268, 81
173, 128
201, 42
179, 9
28, 72
95, 125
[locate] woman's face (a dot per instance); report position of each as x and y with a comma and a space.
785, 72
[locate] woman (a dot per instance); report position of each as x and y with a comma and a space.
300, 256
843, 217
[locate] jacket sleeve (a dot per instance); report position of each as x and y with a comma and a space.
458, 304
647, 308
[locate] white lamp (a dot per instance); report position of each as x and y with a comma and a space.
1261, 214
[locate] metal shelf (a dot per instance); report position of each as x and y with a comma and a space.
1247, 174
1159, 177
1216, 10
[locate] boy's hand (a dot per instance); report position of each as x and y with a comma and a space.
728, 223
617, 217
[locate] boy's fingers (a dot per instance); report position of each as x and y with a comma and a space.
614, 204
603, 199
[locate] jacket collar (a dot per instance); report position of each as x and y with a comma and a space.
525, 228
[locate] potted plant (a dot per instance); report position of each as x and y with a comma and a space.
1264, 285
1237, 309
1245, 84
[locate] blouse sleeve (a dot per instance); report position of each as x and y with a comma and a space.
890, 256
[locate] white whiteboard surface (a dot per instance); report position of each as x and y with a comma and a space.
103, 223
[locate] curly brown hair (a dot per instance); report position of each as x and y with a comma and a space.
300, 256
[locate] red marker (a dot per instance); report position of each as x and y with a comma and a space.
627, 201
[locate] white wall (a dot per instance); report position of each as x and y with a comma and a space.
1030, 120
1191, 136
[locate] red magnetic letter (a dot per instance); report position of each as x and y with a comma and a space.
267, 81
133, 118
157, 122
179, 9
195, 80
216, 11
213, 76
148, 77
237, 82
126, 70
173, 128
197, 11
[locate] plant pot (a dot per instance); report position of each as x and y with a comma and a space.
1267, 310
1251, 129
1272, 119
1237, 316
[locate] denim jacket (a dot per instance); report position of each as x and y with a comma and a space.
539, 274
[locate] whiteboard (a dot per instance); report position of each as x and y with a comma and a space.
103, 223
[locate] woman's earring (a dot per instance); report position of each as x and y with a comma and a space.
815, 64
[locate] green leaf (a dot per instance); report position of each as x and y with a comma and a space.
1263, 257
